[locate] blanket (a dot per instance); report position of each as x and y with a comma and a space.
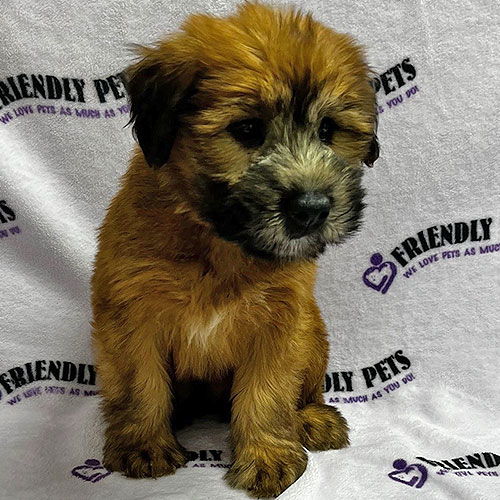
411, 302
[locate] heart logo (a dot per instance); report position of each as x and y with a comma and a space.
92, 471
381, 275
413, 475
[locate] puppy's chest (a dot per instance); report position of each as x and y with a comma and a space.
205, 330
209, 321
208, 339
203, 344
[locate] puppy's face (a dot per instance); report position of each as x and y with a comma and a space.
265, 118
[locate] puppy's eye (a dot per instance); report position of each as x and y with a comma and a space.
326, 129
251, 133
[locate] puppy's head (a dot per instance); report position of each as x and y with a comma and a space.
265, 119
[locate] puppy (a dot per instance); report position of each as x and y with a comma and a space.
252, 131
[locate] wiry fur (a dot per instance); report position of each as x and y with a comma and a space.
196, 277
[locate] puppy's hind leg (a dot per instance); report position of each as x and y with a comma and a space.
321, 426
137, 404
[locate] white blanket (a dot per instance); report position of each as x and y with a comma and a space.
411, 302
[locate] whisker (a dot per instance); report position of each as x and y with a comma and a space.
342, 214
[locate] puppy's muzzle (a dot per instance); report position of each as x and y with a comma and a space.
305, 213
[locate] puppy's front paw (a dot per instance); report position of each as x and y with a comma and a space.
144, 461
322, 427
266, 472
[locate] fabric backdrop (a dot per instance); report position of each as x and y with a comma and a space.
411, 302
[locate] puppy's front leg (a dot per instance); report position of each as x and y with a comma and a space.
268, 456
137, 401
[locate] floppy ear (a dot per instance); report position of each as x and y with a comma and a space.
157, 87
374, 150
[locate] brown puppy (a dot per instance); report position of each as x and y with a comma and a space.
253, 130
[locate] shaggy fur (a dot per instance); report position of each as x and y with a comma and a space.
202, 273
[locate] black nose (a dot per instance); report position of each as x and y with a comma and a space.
306, 212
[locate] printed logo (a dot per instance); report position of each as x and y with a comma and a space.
381, 275
387, 369
44, 370
63, 96
91, 471
7, 215
413, 475
391, 81
468, 465
475, 465
409, 254
206, 458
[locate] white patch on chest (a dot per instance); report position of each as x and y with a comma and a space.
202, 330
